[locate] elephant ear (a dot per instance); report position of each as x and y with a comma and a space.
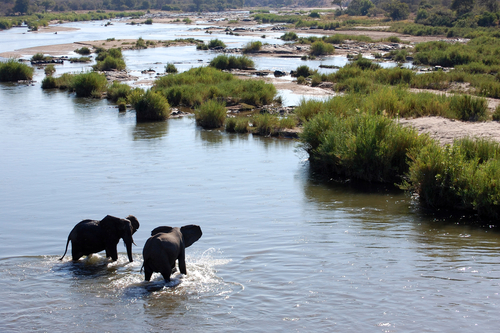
164, 229
109, 223
135, 223
191, 233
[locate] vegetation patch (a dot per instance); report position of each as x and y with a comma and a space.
223, 61
13, 70
150, 106
211, 114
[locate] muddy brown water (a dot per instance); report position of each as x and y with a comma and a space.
282, 249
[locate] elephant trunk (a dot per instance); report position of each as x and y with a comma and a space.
128, 244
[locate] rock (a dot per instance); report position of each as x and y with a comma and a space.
278, 73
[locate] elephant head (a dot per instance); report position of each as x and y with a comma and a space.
190, 233
115, 228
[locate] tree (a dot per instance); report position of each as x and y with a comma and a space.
359, 7
22, 6
341, 3
462, 6
397, 10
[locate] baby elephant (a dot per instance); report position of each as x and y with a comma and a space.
90, 236
165, 246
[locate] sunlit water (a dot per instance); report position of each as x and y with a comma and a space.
282, 249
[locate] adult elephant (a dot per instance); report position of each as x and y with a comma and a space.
92, 236
165, 246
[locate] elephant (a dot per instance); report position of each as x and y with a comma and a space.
165, 246
92, 236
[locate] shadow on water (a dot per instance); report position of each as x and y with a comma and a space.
150, 131
88, 268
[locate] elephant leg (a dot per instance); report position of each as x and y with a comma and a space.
112, 251
166, 271
76, 255
147, 272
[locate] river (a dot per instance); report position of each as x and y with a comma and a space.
282, 249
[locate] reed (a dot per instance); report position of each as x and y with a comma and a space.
225, 62
319, 48
13, 70
89, 84
252, 47
237, 125
366, 147
150, 106
118, 90
462, 176
211, 114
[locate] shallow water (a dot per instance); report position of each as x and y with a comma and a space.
282, 249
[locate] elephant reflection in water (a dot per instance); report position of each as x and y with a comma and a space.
92, 236
165, 246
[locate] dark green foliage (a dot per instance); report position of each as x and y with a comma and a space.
193, 87
216, 43
366, 147
170, 68
110, 62
49, 82
469, 108
252, 47
12, 70
304, 71
151, 106
211, 114
89, 84
463, 176
289, 36
148, 21
223, 61
321, 48
359, 7
237, 125
83, 51
49, 70
118, 90
81, 59
397, 10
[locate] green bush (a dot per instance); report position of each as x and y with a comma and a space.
468, 108
89, 84
223, 61
288, 36
252, 47
321, 48
304, 71
211, 114
83, 51
150, 106
49, 82
237, 125
13, 70
216, 43
366, 147
49, 70
110, 63
118, 90
170, 68
462, 176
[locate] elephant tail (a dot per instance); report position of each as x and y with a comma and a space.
66, 249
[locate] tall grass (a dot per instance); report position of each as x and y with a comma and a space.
211, 114
367, 147
197, 85
151, 106
269, 125
118, 90
223, 61
13, 70
252, 47
321, 48
237, 125
89, 84
463, 176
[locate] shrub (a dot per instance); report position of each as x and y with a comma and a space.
140, 44
89, 84
150, 106
237, 125
288, 36
12, 70
118, 90
304, 71
110, 63
49, 70
170, 68
462, 176
148, 21
211, 114
321, 48
49, 82
216, 43
365, 147
266, 124
252, 47
468, 108
83, 51
223, 61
